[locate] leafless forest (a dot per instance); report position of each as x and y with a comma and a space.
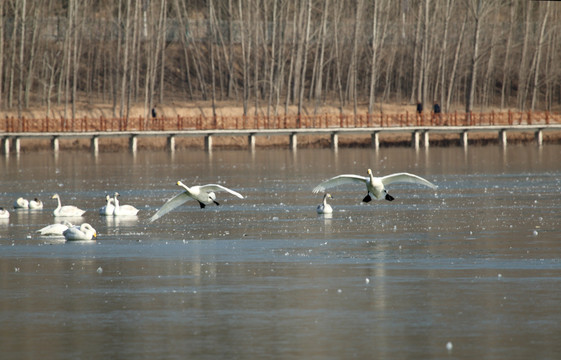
266, 55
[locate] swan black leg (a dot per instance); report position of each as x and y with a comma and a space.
367, 198
202, 205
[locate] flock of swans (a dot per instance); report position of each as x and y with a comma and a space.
205, 195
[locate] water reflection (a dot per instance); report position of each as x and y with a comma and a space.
266, 276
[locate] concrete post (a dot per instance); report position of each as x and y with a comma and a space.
293, 141
94, 144
6, 145
171, 143
539, 137
502, 137
17, 145
425, 139
415, 140
464, 138
208, 142
334, 141
54, 143
133, 144
251, 142
375, 140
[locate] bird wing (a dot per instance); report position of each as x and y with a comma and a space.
339, 180
406, 178
216, 187
171, 204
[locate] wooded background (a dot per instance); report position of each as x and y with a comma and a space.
267, 55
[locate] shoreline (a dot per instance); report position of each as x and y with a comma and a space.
114, 144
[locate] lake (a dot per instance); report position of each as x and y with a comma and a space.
470, 270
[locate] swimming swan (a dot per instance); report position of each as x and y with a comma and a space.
4, 214
204, 194
55, 229
21, 203
374, 185
109, 208
324, 207
35, 204
67, 210
82, 232
123, 210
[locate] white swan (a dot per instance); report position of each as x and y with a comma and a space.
123, 210
21, 203
55, 229
66, 210
35, 204
109, 208
4, 214
374, 185
82, 232
204, 194
324, 207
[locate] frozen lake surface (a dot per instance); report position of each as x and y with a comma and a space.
471, 270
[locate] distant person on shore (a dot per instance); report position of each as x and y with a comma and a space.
419, 112
436, 111
154, 114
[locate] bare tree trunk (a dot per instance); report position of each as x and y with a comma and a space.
245, 67
374, 57
443, 51
319, 79
305, 60
125, 60
523, 69
478, 13
506, 64
455, 64
30, 67
163, 51
415, 88
211, 47
353, 71
538, 55
1, 53
424, 76
273, 59
21, 54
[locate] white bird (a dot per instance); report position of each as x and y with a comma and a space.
123, 210
374, 185
55, 229
35, 204
324, 207
66, 210
21, 203
109, 208
204, 194
82, 232
4, 214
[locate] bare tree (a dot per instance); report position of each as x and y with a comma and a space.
541, 41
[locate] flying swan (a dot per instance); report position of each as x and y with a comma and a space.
82, 232
374, 185
324, 207
204, 194
66, 210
